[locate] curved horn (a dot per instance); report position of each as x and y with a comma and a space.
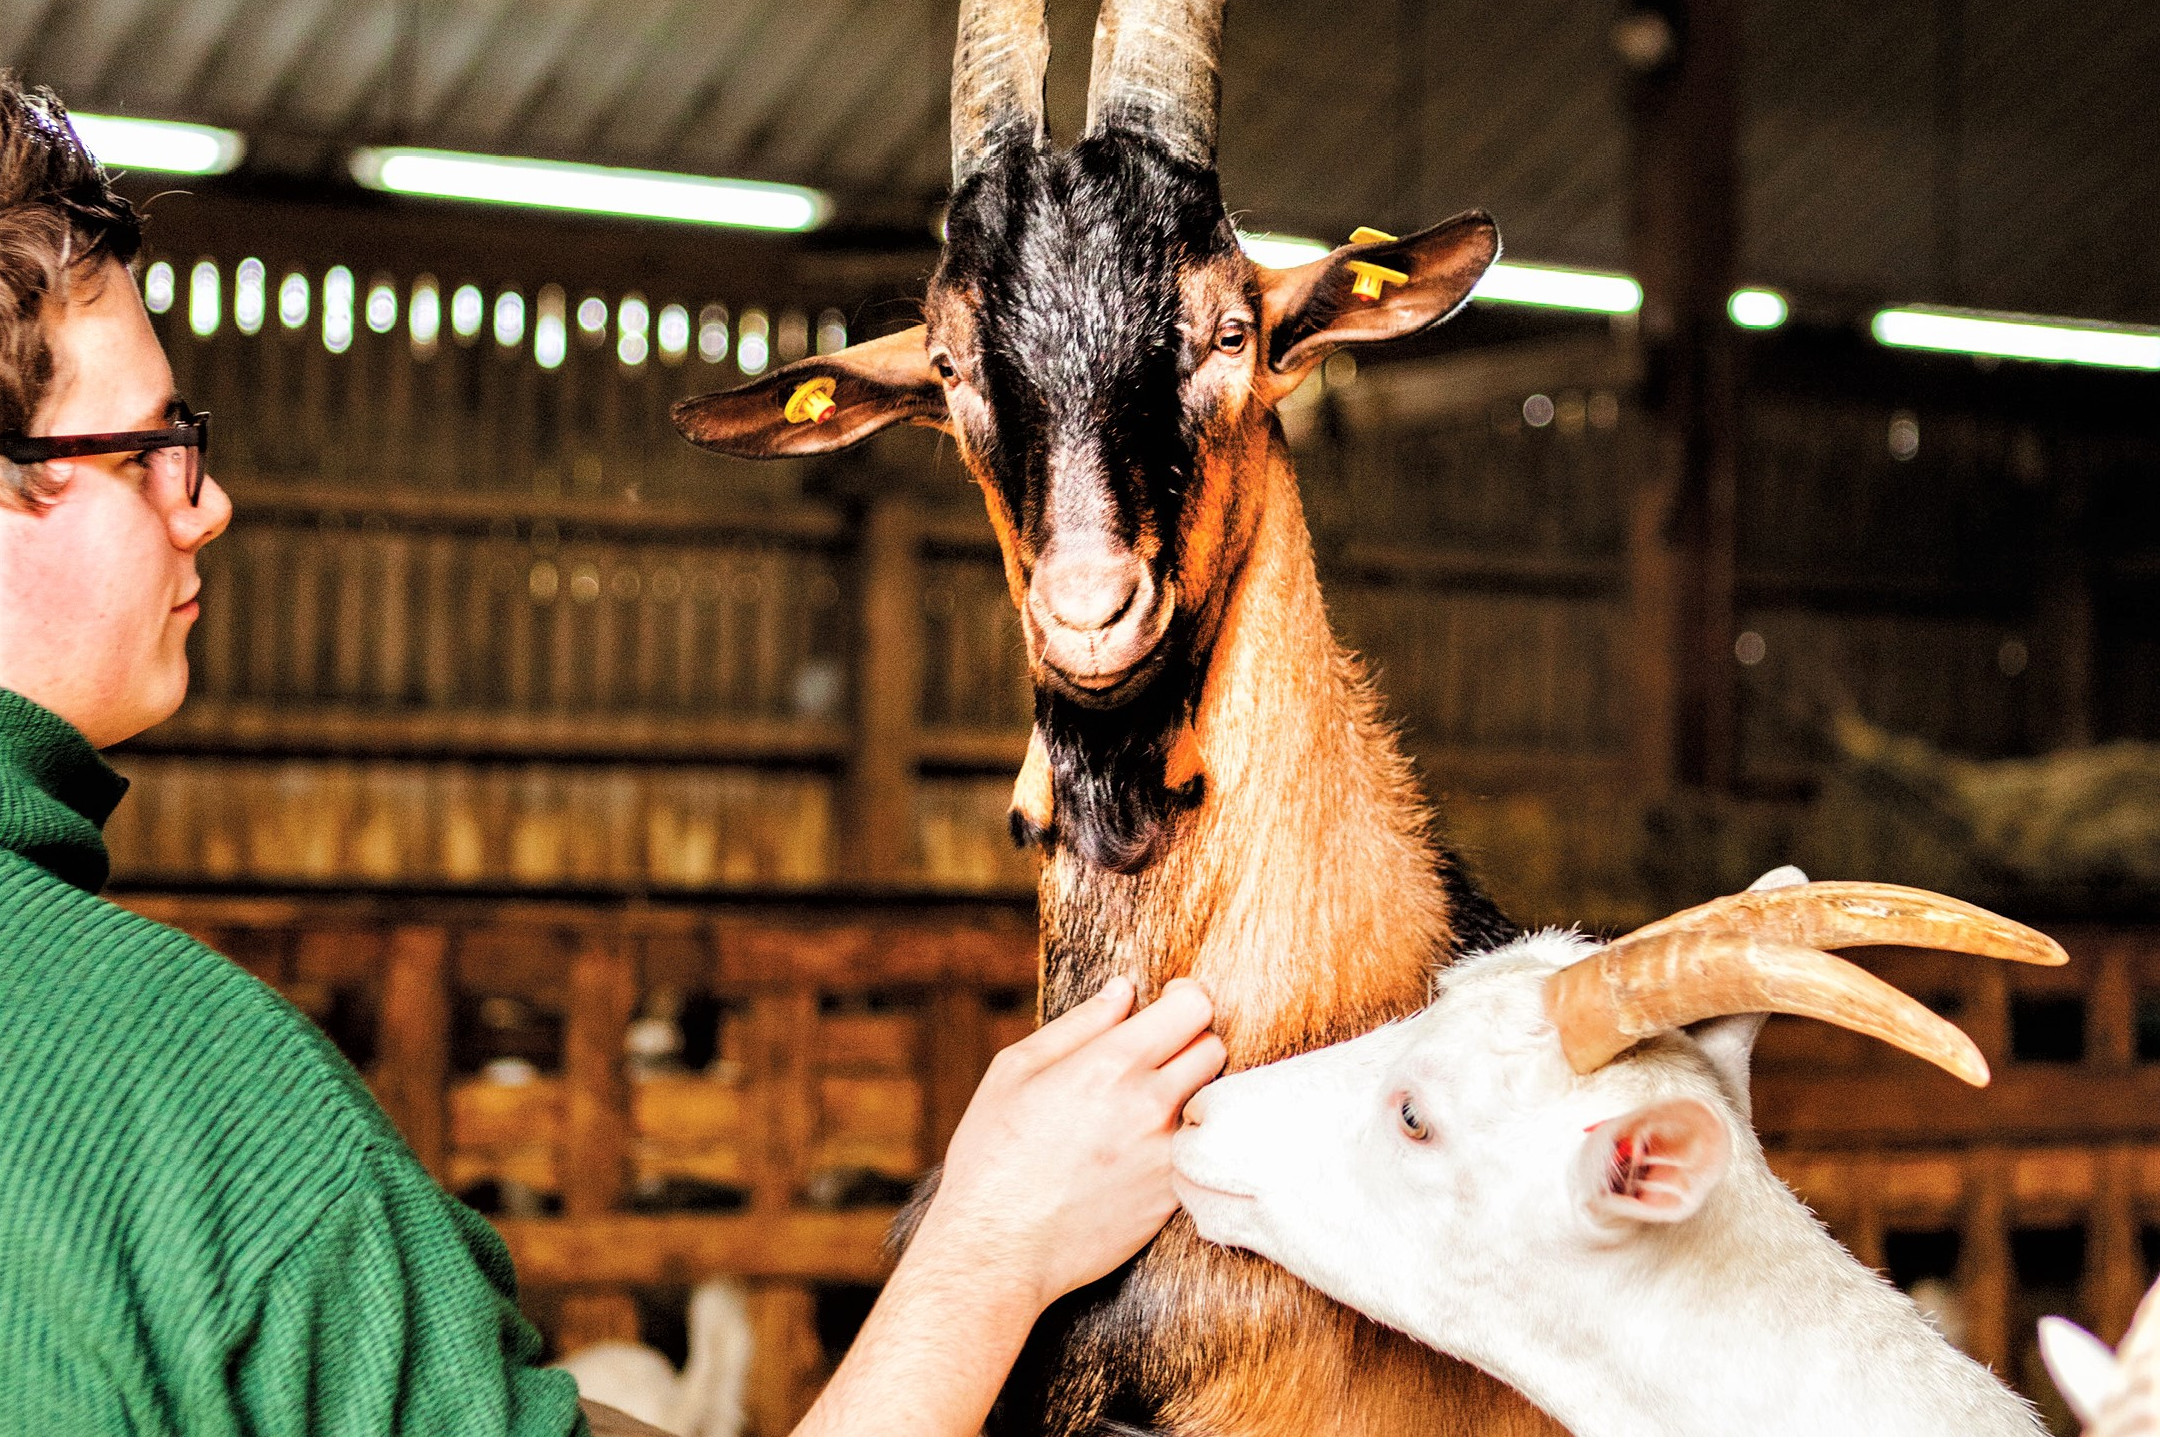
1637, 988
997, 80
1830, 915
1158, 70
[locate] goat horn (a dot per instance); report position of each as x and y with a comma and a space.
1637, 988
997, 80
1158, 70
1830, 915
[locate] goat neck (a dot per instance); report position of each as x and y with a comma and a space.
1749, 1320
1302, 892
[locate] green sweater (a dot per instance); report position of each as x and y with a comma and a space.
206, 1223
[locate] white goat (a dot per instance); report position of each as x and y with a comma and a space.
707, 1398
1607, 1237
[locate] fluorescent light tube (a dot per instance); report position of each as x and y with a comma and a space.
1757, 309
1281, 252
2020, 337
591, 189
1550, 285
122, 142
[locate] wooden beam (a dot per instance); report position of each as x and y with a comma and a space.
1682, 529
1907, 1105
840, 1247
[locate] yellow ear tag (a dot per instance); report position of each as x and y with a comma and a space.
811, 402
1371, 277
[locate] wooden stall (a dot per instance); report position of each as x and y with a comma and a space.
820, 1062
823, 1054
523, 736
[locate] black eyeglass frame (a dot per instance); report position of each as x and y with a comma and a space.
192, 434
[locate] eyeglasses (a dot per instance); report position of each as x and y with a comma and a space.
183, 447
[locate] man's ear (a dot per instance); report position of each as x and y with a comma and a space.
838, 400
1655, 1165
1311, 310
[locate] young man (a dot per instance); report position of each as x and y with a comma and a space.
206, 1224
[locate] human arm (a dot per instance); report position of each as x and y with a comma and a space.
1058, 1172
396, 1314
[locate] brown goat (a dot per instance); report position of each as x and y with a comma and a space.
1214, 789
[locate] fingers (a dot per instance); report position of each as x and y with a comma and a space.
1166, 1027
1184, 1073
1091, 1019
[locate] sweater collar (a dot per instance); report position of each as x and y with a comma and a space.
55, 793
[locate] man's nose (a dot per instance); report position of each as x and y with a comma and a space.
194, 526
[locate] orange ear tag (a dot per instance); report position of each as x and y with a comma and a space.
811, 402
1371, 277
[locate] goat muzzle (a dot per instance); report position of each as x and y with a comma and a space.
1761, 951
1095, 617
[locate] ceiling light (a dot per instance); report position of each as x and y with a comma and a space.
2020, 337
1757, 309
1281, 252
122, 142
592, 189
1550, 285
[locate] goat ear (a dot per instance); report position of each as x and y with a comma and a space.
874, 384
1728, 1042
2081, 1365
1312, 309
1655, 1165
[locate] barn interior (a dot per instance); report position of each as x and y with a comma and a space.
634, 818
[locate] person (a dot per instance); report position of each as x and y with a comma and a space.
206, 1223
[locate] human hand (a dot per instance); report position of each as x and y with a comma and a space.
1060, 1169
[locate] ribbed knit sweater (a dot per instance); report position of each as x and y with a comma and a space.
207, 1225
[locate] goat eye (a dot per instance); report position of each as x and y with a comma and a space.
944, 367
1413, 1123
1231, 338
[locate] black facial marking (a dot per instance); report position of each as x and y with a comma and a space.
1074, 263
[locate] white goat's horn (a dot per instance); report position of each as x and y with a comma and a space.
1640, 987
1832, 914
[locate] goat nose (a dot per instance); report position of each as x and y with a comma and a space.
1196, 1109
1088, 592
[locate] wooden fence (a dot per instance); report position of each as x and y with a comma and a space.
647, 1094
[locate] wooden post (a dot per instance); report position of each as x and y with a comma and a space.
783, 1040
1864, 1224
1987, 1014
412, 1042
595, 1165
880, 802
956, 1041
596, 1096
1985, 1272
1684, 238
787, 1362
2111, 1010
2114, 1267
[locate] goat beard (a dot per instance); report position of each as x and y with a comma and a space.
1113, 803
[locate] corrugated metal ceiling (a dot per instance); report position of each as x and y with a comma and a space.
1997, 152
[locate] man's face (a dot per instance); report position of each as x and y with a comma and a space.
97, 591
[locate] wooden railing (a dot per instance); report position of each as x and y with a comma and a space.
827, 1047
825, 1059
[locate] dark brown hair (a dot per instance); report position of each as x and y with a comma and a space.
59, 220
